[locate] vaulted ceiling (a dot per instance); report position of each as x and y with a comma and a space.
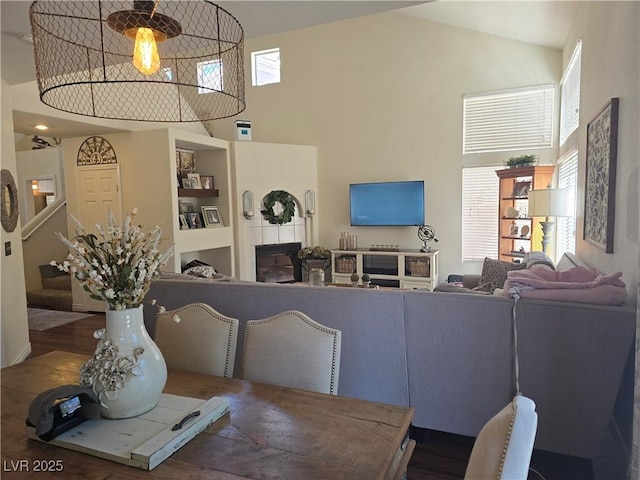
545, 23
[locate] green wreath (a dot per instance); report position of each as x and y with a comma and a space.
286, 200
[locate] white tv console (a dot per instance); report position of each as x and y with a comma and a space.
403, 269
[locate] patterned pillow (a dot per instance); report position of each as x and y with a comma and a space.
494, 274
204, 271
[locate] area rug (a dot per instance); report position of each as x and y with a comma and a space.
41, 319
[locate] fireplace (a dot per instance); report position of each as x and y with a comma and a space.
278, 263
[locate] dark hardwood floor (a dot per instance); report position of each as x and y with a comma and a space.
438, 455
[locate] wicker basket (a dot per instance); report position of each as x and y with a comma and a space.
419, 268
345, 265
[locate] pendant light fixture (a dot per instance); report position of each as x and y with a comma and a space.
161, 61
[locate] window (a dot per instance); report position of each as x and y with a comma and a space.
566, 226
480, 190
265, 67
508, 120
570, 96
210, 76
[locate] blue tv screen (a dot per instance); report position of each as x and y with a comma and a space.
387, 203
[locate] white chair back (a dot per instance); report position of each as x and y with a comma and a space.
292, 350
204, 341
504, 446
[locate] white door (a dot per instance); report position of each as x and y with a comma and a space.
98, 192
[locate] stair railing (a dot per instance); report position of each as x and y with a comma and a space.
41, 218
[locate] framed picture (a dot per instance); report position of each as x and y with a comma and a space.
212, 217
185, 161
183, 221
521, 189
206, 181
600, 187
194, 180
194, 220
185, 207
189, 182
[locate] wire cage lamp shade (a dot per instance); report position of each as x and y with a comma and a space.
156, 61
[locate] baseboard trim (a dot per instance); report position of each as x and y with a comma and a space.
78, 307
23, 356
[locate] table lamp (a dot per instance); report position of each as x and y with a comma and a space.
548, 203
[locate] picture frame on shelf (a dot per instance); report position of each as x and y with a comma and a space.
185, 161
189, 183
212, 217
184, 225
600, 182
207, 182
185, 207
194, 180
195, 220
521, 189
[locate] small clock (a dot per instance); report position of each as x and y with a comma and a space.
96, 151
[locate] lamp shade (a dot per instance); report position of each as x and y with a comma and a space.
158, 61
548, 203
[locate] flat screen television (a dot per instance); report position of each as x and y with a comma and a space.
387, 203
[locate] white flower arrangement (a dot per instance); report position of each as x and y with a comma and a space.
117, 265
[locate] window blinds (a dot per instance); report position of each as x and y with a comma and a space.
480, 187
570, 96
265, 66
566, 226
508, 120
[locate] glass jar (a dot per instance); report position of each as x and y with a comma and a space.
316, 277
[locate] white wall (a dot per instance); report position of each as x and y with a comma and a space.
610, 36
13, 299
381, 98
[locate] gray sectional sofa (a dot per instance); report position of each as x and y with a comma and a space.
449, 355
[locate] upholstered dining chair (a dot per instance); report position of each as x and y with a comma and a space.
504, 446
292, 350
203, 341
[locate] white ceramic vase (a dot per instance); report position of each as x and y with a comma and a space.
127, 370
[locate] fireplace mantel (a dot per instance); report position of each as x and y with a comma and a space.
261, 168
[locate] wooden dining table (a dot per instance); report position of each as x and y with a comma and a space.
270, 432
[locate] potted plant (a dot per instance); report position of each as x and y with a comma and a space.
522, 161
315, 257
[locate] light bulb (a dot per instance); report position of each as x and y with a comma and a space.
145, 52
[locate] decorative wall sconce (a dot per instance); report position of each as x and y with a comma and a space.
310, 203
247, 204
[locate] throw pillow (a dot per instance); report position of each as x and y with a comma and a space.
204, 272
494, 274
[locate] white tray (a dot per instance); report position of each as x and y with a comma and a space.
144, 441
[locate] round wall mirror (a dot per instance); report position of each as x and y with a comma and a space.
9, 196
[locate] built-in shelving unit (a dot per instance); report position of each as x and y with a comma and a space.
215, 245
515, 183
402, 269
